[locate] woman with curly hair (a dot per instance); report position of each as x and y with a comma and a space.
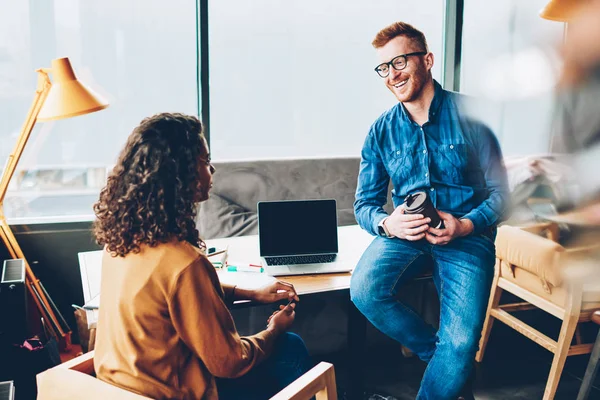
164, 330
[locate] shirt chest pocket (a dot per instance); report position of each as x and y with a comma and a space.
400, 164
451, 162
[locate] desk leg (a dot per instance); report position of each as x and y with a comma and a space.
357, 337
590, 372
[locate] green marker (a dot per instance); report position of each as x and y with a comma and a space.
234, 268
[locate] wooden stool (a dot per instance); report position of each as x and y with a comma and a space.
592, 368
422, 279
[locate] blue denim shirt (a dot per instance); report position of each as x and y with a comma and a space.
456, 159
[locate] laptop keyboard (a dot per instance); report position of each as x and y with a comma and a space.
314, 259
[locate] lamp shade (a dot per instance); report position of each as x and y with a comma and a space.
68, 97
560, 10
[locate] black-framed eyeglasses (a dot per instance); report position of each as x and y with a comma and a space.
398, 63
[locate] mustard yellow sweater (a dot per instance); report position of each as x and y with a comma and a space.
164, 330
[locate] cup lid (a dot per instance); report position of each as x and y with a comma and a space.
415, 200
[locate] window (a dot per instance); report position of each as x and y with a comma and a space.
140, 54
287, 79
296, 79
504, 41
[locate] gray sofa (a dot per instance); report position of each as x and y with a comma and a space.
239, 185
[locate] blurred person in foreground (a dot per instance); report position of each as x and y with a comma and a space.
576, 131
426, 143
164, 330
576, 134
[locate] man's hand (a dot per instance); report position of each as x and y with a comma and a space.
275, 291
453, 228
406, 226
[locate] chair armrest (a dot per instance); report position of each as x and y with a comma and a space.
319, 381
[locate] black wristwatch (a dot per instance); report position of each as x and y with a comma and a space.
381, 229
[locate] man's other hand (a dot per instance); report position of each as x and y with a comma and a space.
453, 228
406, 226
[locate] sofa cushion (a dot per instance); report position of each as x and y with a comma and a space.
220, 216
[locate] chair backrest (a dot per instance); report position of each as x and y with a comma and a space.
532, 253
318, 382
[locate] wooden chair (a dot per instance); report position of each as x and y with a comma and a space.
75, 379
531, 267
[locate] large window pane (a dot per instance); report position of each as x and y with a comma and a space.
141, 54
505, 45
295, 78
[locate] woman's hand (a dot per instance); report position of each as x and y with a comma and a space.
275, 291
282, 319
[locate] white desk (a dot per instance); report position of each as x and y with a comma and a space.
352, 243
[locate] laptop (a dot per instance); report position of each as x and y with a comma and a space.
299, 237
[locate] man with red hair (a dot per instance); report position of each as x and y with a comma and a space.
427, 143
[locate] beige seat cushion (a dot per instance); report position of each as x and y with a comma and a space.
591, 295
538, 264
535, 254
556, 295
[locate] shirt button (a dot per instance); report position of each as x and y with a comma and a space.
424, 151
451, 146
426, 174
432, 189
398, 152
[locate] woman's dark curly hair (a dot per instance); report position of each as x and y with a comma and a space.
151, 195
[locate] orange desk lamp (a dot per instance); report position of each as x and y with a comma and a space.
64, 98
560, 10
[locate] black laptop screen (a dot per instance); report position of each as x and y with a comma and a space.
297, 227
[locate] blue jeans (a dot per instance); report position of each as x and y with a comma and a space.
289, 361
462, 271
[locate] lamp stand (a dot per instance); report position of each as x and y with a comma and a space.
47, 308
